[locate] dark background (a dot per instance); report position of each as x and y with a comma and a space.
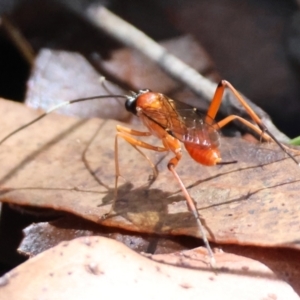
253, 43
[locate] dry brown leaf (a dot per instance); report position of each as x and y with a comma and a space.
88, 268
252, 202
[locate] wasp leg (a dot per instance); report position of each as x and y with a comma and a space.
262, 130
172, 144
126, 134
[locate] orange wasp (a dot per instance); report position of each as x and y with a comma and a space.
174, 126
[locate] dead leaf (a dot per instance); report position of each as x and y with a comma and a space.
285, 263
253, 202
52, 82
91, 267
41, 236
139, 71
54, 73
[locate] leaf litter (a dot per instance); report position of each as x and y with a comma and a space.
93, 265
253, 202
128, 186
283, 262
41, 236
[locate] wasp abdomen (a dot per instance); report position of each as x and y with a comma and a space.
207, 156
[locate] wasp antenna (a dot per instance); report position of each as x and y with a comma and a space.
227, 162
281, 146
55, 108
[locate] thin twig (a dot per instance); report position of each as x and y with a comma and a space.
18, 39
201, 86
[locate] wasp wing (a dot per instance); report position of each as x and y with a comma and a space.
183, 122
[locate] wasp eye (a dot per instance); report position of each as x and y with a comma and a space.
130, 105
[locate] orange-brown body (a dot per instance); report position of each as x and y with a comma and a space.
204, 156
159, 115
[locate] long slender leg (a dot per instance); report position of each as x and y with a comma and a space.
191, 205
169, 144
256, 129
132, 131
126, 134
262, 130
217, 99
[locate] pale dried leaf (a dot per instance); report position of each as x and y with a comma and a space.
60, 76
88, 268
283, 262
